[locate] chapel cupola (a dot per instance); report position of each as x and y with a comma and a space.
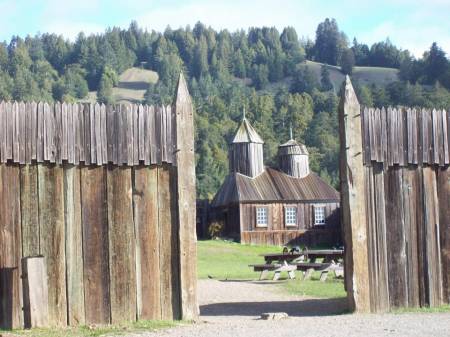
293, 158
246, 150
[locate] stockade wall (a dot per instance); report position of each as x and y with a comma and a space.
106, 194
395, 186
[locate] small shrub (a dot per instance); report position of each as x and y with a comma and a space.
215, 230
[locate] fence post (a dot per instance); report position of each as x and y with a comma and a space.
353, 201
185, 162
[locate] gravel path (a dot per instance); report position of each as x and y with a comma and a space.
232, 308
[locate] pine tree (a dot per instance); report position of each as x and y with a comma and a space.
325, 81
347, 62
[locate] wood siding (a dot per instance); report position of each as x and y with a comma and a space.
278, 233
395, 191
246, 158
122, 134
106, 195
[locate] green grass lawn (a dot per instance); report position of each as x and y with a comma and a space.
92, 331
228, 260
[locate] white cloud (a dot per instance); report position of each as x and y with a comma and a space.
232, 15
70, 30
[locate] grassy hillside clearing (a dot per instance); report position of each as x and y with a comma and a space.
133, 84
363, 75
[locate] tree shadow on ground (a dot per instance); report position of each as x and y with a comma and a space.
302, 308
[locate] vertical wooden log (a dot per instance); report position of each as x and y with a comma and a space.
145, 199
169, 250
396, 245
74, 251
3, 125
409, 191
95, 245
29, 210
381, 233
432, 263
185, 162
353, 201
35, 292
443, 185
51, 237
121, 245
10, 248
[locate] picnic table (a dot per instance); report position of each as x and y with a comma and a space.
304, 261
310, 255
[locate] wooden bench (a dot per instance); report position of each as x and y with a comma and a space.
308, 268
276, 267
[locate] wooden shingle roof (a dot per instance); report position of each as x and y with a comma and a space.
273, 185
246, 134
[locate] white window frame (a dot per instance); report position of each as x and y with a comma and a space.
319, 219
288, 215
262, 213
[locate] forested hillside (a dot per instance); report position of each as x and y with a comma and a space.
261, 69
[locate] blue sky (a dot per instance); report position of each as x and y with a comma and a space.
410, 24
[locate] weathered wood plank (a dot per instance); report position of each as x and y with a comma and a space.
92, 133
70, 134
153, 139
169, 246
437, 135
64, 134
51, 238
353, 200
129, 134
10, 248
22, 133
135, 135
29, 210
432, 263
98, 134
446, 137
381, 233
87, 132
409, 189
121, 135
77, 135
58, 132
147, 245
16, 132
74, 246
35, 292
158, 134
121, 245
95, 245
111, 134
9, 130
141, 132
3, 125
443, 185
103, 134
185, 162
396, 245
82, 131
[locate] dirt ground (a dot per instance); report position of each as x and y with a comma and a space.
233, 308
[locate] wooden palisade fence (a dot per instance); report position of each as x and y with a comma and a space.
395, 201
106, 194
